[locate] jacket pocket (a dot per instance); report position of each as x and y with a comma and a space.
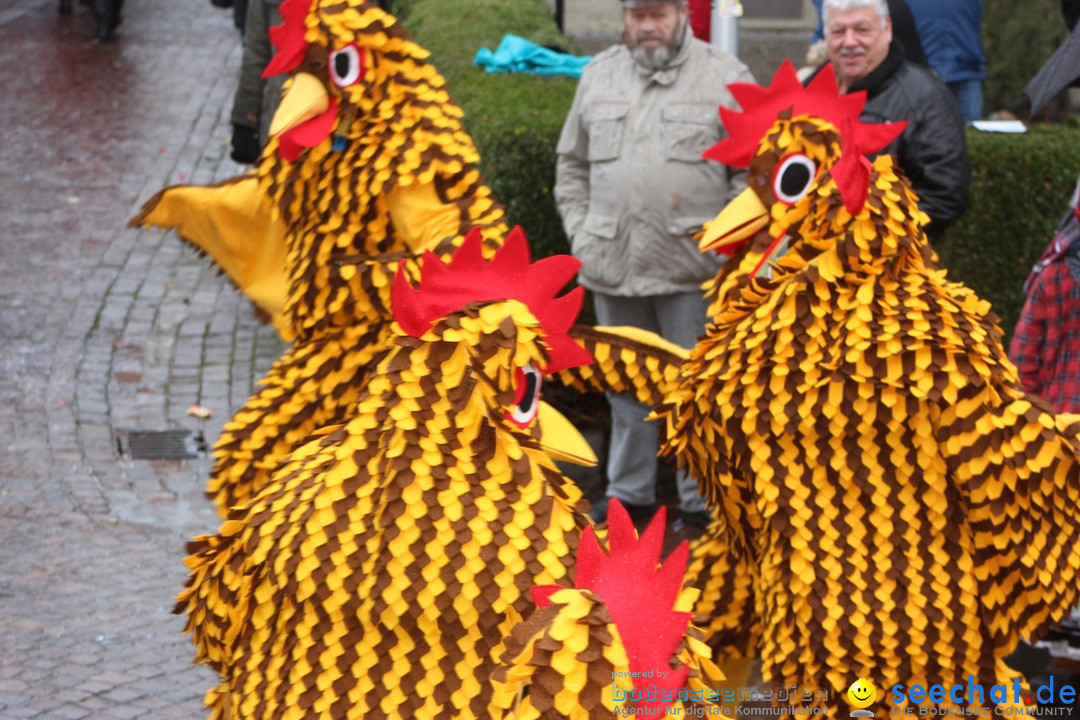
601, 226
686, 227
683, 261
603, 261
606, 123
689, 130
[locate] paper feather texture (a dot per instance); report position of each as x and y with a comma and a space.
890, 504
376, 574
897, 498
619, 641
370, 166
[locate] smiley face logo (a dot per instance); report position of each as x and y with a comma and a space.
861, 693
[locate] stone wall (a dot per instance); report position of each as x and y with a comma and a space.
764, 50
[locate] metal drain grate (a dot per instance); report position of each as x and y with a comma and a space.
161, 444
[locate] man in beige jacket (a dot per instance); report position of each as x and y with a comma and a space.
633, 189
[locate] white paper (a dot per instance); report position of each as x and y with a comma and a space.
1001, 126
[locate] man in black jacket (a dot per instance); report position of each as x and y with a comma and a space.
932, 151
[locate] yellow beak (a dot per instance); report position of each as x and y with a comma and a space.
561, 439
736, 223
306, 98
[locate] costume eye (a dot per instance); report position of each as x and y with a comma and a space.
526, 396
346, 65
792, 178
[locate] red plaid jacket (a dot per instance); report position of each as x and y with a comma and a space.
1046, 343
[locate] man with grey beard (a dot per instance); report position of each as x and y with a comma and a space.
633, 190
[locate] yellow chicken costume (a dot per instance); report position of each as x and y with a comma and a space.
369, 160
377, 573
890, 504
618, 643
900, 502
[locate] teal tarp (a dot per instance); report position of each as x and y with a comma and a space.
516, 54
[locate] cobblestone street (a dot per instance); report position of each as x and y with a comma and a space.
107, 331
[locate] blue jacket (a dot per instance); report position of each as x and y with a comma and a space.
950, 31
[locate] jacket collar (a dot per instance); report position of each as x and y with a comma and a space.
874, 79
667, 74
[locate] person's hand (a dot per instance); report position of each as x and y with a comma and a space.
245, 145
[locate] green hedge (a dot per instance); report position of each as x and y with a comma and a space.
1017, 42
1020, 188
515, 119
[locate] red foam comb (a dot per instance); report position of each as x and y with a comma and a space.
851, 172
510, 275
288, 37
640, 595
821, 98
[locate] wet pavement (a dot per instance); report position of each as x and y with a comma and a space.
106, 331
